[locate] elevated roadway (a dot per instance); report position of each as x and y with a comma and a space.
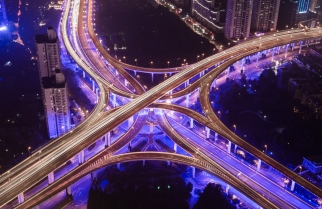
74, 142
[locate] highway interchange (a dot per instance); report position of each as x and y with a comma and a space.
99, 122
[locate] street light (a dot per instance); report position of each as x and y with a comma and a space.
151, 64
29, 150
124, 59
198, 58
265, 148
168, 64
213, 50
235, 128
136, 62
138, 76
202, 55
300, 169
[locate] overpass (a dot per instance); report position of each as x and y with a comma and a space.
62, 149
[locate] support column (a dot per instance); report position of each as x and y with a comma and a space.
168, 163
152, 76
135, 73
114, 100
229, 147
69, 191
83, 74
235, 148
300, 47
93, 86
214, 83
118, 166
258, 53
259, 163
273, 51
175, 146
227, 188
228, 72
21, 198
242, 63
207, 132
94, 175
81, 157
51, 178
96, 92
292, 185
108, 139
130, 122
187, 101
216, 136
151, 128
286, 49
193, 171
191, 123
143, 162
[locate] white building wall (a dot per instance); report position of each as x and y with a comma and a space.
50, 113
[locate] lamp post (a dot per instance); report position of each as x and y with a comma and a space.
234, 128
168, 64
138, 76
202, 55
136, 62
198, 58
213, 50
151, 64
29, 150
265, 148
124, 59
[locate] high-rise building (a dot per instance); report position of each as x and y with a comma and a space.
208, 15
53, 84
55, 99
238, 18
303, 6
48, 53
265, 14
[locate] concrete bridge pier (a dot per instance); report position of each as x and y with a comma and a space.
69, 191
96, 93
152, 76
216, 136
227, 188
114, 99
292, 185
301, 42
143, 162
118, 166
193, 171
187, 101
175, 146
258, 53
273, 52
235, 148
81, 157
107, 139
191, 123
214, 83
229, 147
168, 163
259, 163
93, 86
83, 74
51, 177
130, 122
94, 175
286, 49
134, 72
207, 132
21, 198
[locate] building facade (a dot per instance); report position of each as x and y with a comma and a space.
265, 15
48, 53
53, 84
208, 15
238, 18
56, 106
